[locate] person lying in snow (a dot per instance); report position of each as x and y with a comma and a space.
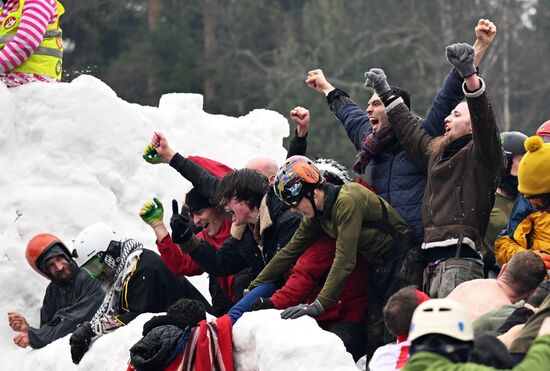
184, 340
137, 279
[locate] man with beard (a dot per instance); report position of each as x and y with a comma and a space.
72, 296
462, 167
392, 174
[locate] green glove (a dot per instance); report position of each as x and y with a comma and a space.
152, 212
151, 155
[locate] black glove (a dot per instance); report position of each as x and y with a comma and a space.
262, 303
180, 224
461, 56
80, 341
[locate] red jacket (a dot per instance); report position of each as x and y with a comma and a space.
182, 264
308, 276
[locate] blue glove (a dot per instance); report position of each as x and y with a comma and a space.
314, 309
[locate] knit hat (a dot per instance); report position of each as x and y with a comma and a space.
188, 310
534, 168
195, 200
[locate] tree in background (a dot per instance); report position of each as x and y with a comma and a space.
246, 54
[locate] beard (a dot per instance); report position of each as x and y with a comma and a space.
66, 276
438, 145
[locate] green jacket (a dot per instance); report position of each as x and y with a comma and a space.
498, 219
491, 321
529, 332
538, 359
348, 224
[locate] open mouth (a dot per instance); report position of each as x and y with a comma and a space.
447, 130
374, 121
203, 225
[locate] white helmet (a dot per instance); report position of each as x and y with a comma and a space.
93, 239
441, 316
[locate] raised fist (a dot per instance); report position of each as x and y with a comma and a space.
152, 212
376, 78
461, 56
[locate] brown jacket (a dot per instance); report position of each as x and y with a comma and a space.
460, 191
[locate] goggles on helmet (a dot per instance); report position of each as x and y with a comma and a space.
96, 265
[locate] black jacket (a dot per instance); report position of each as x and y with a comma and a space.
236, 255
161, 337
66, 306
153, 288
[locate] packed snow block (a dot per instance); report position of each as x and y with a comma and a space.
109, 352
264, 341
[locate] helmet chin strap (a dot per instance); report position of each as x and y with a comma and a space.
316, 212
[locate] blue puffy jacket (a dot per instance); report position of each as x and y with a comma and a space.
393, 176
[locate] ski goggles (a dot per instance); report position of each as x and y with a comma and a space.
293, 201
540, 202
96, 265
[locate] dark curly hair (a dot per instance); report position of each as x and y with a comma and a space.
189, 311
246, 185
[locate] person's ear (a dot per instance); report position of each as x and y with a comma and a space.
502, 270
271, 180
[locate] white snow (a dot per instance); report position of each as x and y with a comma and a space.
70, 155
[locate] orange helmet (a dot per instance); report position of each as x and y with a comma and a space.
38, 246
544, 129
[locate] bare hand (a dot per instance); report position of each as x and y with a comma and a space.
21, 340
300, 116
545, 327
17, 322
316, 80
161, 146
485, 32
508, 337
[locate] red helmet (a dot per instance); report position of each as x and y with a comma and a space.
544, 130
40, 244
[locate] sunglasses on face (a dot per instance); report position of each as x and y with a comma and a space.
540, 202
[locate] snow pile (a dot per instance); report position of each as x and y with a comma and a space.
70, 155
264, 341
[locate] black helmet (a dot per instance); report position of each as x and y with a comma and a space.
512, 142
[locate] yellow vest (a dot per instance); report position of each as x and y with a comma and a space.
47, 59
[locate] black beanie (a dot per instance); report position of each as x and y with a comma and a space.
195, 200
189, 311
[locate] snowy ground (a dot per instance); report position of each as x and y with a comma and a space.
70, 156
